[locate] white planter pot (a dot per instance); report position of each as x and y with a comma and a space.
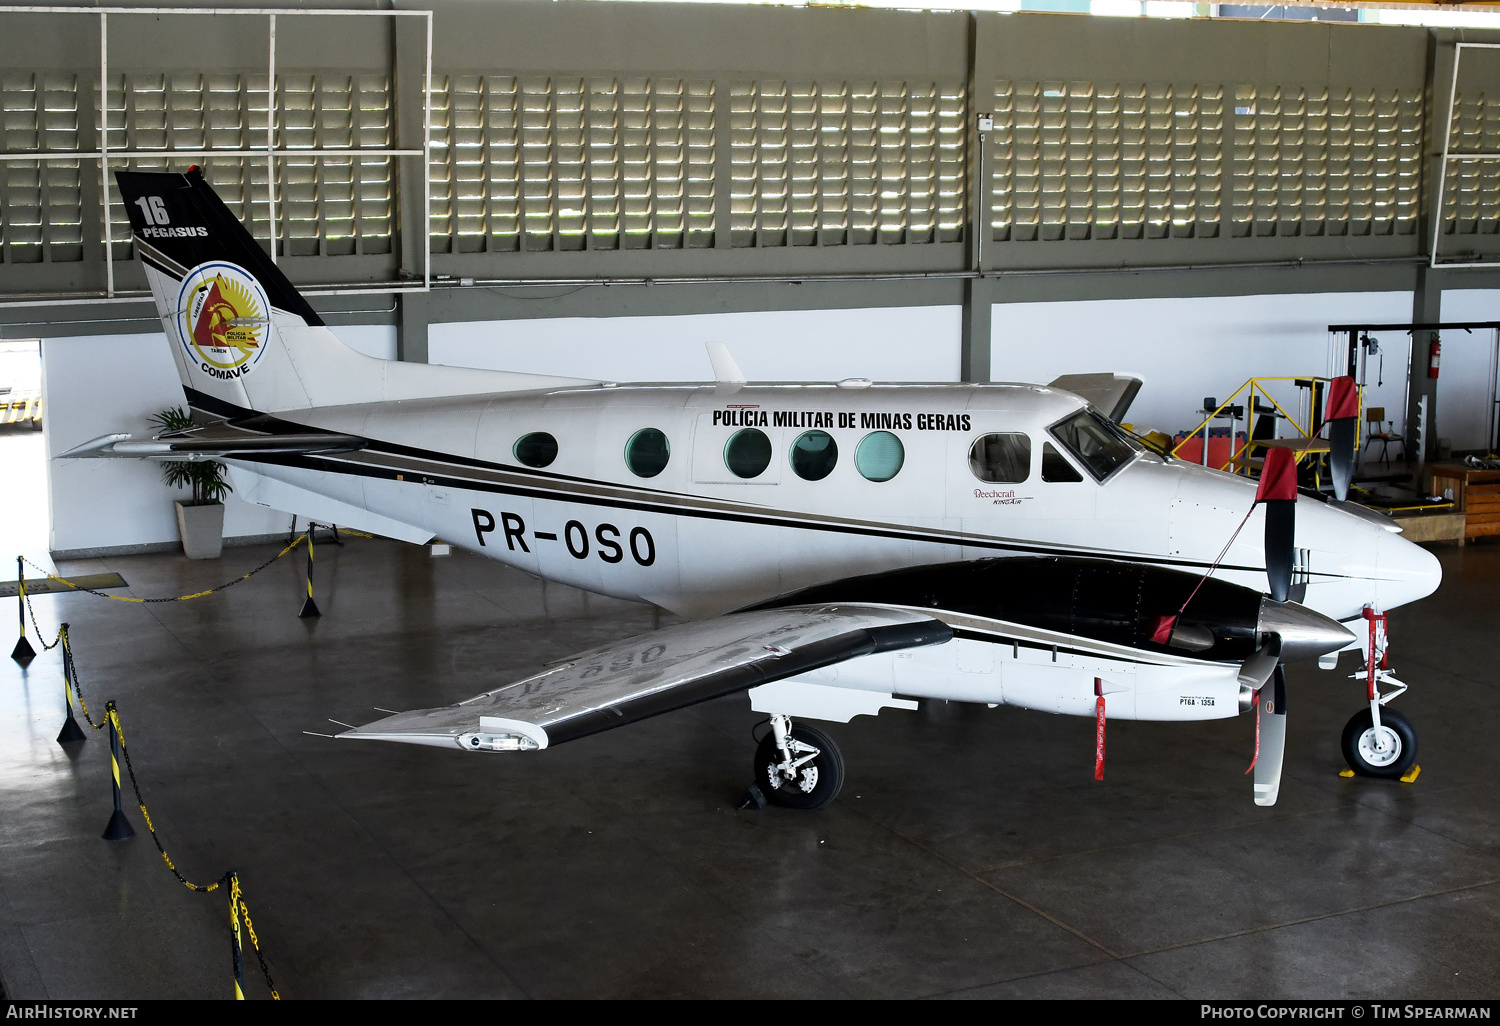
202, 528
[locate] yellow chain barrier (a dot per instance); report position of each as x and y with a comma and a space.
236, 900
175, 598
73, 689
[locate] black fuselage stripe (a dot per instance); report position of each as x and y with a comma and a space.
329, 465
222, 408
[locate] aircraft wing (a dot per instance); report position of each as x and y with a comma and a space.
629, 680
1111, 394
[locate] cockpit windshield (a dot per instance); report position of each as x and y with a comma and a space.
1096, 441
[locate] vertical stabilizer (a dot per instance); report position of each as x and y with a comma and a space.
241, 335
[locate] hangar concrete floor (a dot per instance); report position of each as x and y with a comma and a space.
971, 853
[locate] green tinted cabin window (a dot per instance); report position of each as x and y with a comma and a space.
647, 452
747, 453
813, 455
537, 449
879, 456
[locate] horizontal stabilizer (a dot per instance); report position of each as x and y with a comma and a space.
654, 673
218, 442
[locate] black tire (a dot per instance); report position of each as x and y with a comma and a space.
1361, 724
826, 780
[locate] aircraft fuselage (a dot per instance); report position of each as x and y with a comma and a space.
697, 538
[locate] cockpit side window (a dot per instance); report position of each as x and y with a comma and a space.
1096, 442
1004, 457
1055, 466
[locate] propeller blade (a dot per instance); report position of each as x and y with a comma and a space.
1341, 456
1278, 490
1255, 671
1342, 411
1271, 708
1281, 524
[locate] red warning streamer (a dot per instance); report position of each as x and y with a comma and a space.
1099, 733
1255, 756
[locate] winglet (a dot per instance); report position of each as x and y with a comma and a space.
727, 373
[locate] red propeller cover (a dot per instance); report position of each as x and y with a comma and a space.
1278, 478
1343, 399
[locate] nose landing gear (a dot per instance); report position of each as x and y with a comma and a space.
1388, 751
798, 767
1379, 742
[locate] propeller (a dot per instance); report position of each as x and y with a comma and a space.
1270, 724
1260, 670
1341, 415
1278, 490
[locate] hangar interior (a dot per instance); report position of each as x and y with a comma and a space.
597, 188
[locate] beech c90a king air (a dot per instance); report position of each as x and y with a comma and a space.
836, 549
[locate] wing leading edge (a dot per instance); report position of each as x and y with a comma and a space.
654, 673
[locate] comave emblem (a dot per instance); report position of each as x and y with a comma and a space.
224, 322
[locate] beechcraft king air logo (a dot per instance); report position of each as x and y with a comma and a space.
223, 319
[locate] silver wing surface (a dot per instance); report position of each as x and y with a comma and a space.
654, 673
214, 442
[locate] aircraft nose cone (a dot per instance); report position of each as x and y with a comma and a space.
1305, 633
1404, 571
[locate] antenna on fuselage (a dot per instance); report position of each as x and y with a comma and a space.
727, 374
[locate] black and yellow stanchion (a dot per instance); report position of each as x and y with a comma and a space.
119, 827
309, 607
236, 944
71, 732
239, 912
23, 653
75, 586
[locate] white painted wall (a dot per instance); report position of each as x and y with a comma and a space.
377, 340
1466, 379
892, 344
1186, 349
94, 385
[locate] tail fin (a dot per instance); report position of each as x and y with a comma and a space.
243, 338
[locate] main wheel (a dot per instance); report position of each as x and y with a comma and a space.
1397, 744
814, 784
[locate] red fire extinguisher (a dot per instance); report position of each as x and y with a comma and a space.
1434, 354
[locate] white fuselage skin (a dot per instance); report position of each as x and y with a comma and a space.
698, 540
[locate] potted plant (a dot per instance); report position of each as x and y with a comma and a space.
201, 519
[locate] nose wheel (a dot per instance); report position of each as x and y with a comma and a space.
798, 767
1388, 751
1378, 741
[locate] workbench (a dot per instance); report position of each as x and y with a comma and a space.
1474, 492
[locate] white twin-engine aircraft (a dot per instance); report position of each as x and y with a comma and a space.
836, 548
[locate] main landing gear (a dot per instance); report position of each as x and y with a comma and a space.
798, 767
1379, 742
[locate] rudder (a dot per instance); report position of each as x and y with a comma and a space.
221, 300
244, 340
